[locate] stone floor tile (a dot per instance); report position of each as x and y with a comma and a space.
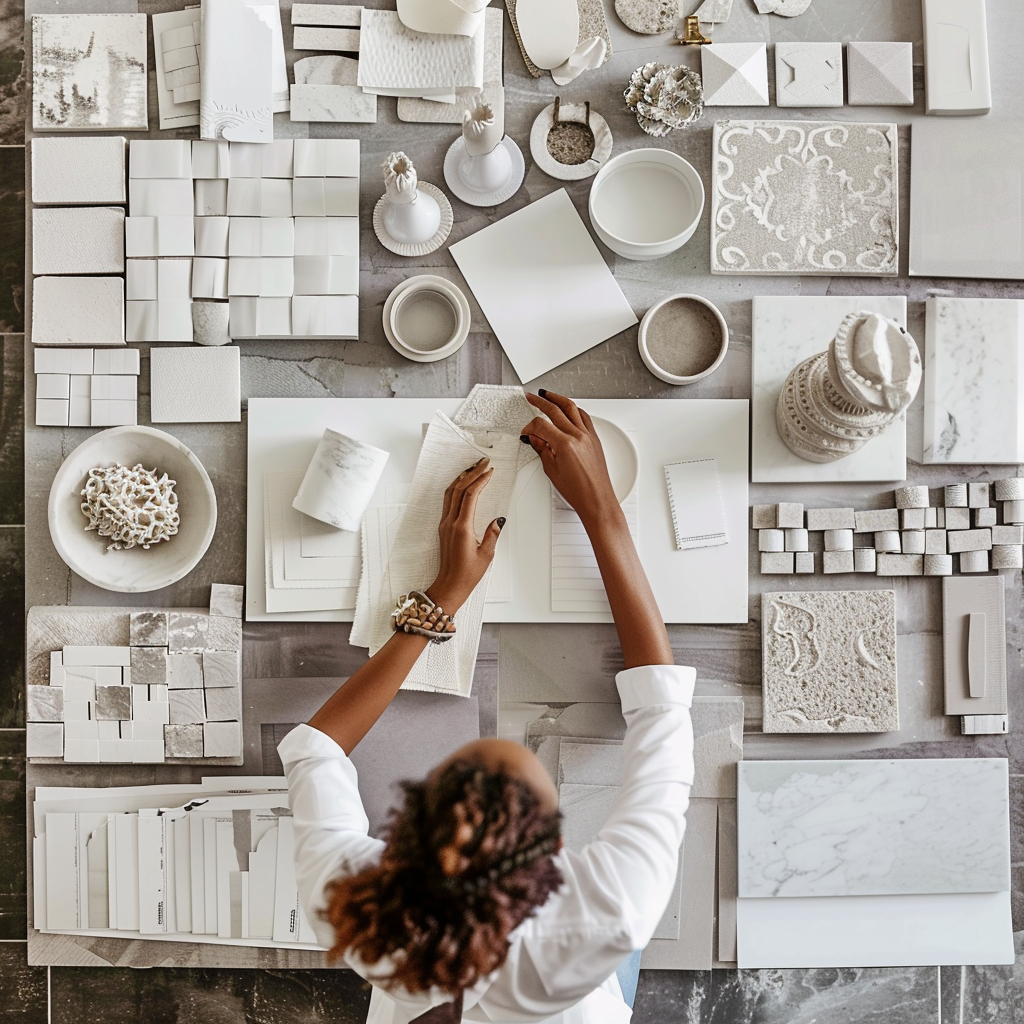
12, 429
23, 992
12, 835
12, 626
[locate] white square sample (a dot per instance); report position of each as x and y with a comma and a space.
973, 385
543, 285
159, 236
325, 197
211, 197
787, 330
808, 74
326, 158
89, 72
326, 236
880, 74
160, 197
211, 235
805, 197
956, 67
78, 169
195, 385
160, 158
78, 240
735, 74
695, 498
333, 104
966, 200
78, 311
211, 158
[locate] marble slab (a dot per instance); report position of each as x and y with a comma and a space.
873, 828
829, 661
805, 197
973, 381
786, 330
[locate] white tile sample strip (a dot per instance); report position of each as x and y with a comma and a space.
79, 169
974, 381
786, 330
763, 218
545, 252
873, 828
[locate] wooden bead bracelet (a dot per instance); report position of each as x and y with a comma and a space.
416, 613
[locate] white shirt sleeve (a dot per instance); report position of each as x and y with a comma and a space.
331, 828
616, 889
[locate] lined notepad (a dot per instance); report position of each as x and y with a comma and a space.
695, 498
576, 584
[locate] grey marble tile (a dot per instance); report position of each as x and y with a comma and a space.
13, 90
12, 237
23, 989
12, 430
12, 835
12, 621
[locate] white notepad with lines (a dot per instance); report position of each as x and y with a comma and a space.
695, 498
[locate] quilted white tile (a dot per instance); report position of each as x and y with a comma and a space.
259, 197
211, 158
159, 236
211, 234
326, 158
808, 74
326, 275
325, 197
160, 158
79, 169
268, 277
317, 316
326, 236
160, 197
261, 236
262, 160
209, 278
211, 197
735, 74
195, 385
78, 240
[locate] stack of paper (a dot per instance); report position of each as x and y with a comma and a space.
310, 565
207, 863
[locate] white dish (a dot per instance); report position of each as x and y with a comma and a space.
457, 156
683, 333
646, 203
134, 571
621, 456
415, 248
438, 289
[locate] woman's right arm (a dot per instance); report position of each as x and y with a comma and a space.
574, 462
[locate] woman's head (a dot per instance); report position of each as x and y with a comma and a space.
468, 858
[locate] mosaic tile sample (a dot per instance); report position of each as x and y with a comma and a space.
805, 197
829, 661
873, 828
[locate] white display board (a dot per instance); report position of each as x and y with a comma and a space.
705, 585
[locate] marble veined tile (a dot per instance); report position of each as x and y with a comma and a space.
873, 828
973, 389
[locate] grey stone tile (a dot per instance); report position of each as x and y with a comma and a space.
663, 996
12, 838
23, 989
12, 626
12, 429
12, 235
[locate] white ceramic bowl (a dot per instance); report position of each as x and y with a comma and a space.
683, 333
646, 203
426, 318
621, 456
134, 571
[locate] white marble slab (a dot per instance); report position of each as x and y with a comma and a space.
786, 330
973, 389
873, 828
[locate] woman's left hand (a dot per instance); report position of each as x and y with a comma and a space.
464, 559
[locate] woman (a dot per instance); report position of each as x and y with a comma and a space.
471, 909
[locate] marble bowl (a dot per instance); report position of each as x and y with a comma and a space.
646, 203
133, 571
683, 338
426, 318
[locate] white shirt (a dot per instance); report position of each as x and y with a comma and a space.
560, 967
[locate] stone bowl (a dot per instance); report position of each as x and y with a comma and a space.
683, 338
136, 570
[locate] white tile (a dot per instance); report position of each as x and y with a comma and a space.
787, 330
974, 381
211, 158
331, 158
162, 158
342, 15
159, 236
211, 234
160, 197
96, 656
195, 385
209, 278
44, 739
211, 197
262, 160
880, 74
333, 104
325, 197
261, 236
266, 277
326, 236
53, 385
956, 70
324, 316
78, 240
808, 74
735, 74
500, 265
326, 275
222, 739
260, 197
79, 169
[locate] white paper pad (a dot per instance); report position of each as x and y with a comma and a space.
695, 499
543, 285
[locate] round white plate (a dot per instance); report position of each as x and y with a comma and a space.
134, 571
621, 456
441, 284
457, 153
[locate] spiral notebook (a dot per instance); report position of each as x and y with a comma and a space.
695, 498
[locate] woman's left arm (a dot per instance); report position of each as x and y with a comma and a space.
350, 714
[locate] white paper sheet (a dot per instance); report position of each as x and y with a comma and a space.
695, 498
543, 285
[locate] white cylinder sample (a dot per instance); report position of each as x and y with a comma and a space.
340, 481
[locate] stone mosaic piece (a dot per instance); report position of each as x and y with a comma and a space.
829, 661
186, 707
223, 704
805, 197
184, 671
45, 704
226, 600
220, 668
148, 629
149, 665
183, 740
113, 703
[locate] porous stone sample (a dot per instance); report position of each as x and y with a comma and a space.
648, 17
183, 740
829, 661
148, 629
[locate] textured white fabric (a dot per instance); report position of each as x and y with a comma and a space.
561, 962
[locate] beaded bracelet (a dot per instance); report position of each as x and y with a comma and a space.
416, 613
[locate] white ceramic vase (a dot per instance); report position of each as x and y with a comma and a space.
410, 216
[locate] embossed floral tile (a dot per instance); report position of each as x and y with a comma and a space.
805, 197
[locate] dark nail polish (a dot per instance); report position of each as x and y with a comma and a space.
524, 438
542, 392
501, 522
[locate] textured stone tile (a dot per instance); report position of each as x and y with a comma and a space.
148, 629
23, 989
113, 703
220, 669
12, 626
12, 425
183, 740
12, 240
12, 844
663, 996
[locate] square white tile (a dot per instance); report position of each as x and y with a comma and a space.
195, 385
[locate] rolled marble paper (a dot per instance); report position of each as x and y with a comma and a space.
340, 481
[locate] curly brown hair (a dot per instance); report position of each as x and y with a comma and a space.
468, 857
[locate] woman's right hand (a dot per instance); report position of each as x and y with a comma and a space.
571, 453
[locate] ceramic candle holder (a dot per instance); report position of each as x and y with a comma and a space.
646, 203
340, 480
683, 339
426, 318
410, 216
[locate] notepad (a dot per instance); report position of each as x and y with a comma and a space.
695, 498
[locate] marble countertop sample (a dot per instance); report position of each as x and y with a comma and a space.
873, 828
